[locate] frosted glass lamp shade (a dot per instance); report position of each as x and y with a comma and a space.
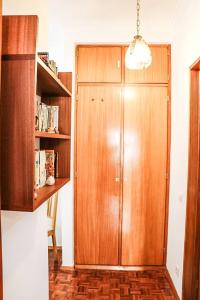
138, 55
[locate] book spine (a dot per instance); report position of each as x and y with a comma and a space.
37, 111
47, 118
37, 169
40, 117
50, 119
56, 118
56, 165
42, 168
50, 158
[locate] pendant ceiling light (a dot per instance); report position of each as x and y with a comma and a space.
138, 55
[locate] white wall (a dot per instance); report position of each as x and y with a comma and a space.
25, 257
24, 235
185, 51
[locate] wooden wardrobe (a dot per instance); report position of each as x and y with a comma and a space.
121, 158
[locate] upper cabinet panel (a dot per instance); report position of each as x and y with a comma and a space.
19, 35
99, 63
158, 72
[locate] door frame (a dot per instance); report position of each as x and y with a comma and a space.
192, 231
123, 84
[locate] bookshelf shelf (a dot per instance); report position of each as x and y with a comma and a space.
41, 134
48, 84
46, 192
25, 78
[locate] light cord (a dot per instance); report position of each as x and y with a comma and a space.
138, 17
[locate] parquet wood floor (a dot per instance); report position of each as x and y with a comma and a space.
107, 285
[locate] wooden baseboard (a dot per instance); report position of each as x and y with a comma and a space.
172, 284
51, 248
119, 268
67, 268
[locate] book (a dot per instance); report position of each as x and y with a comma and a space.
49, 165
52, 66
56, 165
50, 124
43, 117
56, 118
44, 56
37, 109
46, 117
45, 161
42, 168
37, 169
53, 119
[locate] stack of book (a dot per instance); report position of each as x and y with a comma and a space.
47, 117
44, 56
46, 164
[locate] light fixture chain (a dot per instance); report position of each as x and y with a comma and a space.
138, 17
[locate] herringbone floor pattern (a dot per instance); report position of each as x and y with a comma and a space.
107, 285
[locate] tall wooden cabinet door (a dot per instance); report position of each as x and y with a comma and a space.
145, 165
99, 64
158, 72
98, 175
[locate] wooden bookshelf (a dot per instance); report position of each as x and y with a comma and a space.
48, 84
47, 191
42, 134
25, 76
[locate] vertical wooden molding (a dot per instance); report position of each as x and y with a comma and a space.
192, 236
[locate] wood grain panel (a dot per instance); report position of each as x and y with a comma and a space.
19, 34
98, 175
158, 72
145, 166
192, 237
66, 79
17, 134
99, 64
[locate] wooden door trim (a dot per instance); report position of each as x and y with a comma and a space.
168, 156
92, 45
75, 153
192, 233
123, 84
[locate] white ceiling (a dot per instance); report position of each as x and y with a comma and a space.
122, 9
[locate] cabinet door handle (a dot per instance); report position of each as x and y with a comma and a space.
92, 99
117, 179
102, 100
